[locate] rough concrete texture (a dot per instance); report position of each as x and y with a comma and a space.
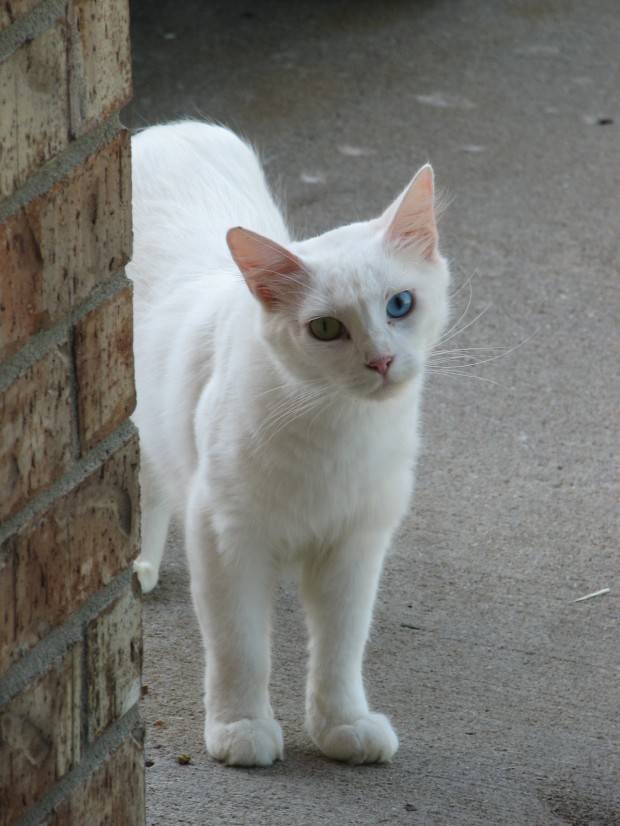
503, 689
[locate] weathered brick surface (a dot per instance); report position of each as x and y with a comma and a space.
104, 367
100, 60
35, 437
53, 564
12, 10
7, 607
112, 796
57, 248
47, 99
114, 661
40, 736
34, 107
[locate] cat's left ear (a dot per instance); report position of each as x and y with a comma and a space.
410, 222
272, 273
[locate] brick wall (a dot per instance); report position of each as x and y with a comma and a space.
70, 618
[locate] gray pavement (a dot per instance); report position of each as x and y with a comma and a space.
505, 692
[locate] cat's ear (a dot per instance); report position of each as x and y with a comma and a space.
410, 222
272, 273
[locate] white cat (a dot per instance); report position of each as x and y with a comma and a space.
278, 391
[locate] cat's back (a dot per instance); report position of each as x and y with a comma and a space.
192, 182
194, 161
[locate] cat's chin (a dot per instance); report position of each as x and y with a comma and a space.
388, 389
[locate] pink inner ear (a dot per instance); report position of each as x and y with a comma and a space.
412, 225
265, 295
266, 266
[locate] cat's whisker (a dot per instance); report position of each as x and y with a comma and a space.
462, 329
282, 411
447, 356
286, 418
306, 382
291, 409
322, 408
288, 404
462, 316
505, 352
464, 349
464, 284
451, 362
323, 411
289, 413
448, 371
461, 360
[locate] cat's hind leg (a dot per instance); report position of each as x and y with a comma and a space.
155, 520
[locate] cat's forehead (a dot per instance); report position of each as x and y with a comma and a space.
352, 275
354, 289
352, 269
353, 284
348, 263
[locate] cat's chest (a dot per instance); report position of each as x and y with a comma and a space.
317, 479
304, 480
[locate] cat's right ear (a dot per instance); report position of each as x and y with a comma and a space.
272, 273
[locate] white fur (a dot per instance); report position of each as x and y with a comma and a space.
276, 448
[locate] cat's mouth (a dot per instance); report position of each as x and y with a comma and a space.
387, 387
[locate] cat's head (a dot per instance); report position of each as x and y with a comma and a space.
357, 308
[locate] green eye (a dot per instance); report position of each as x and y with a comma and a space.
326, 329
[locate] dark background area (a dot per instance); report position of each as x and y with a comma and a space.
504, 690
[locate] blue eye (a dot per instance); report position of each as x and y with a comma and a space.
400, 304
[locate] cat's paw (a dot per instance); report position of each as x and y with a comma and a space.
369, 739
245, 742
147, 573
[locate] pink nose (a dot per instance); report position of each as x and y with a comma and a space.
381, 364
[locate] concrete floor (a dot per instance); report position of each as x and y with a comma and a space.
505, 692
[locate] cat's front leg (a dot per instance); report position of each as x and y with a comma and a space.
339, 591
232, 586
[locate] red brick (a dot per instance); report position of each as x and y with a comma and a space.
52, 565
100, 61
7, 606
12, 10
61, 85
40, 736
104, 368
114, 661
36, 433
113, 795
61, 245
34, 107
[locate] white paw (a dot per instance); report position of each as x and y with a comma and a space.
147, 573
245, 742
369, 739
